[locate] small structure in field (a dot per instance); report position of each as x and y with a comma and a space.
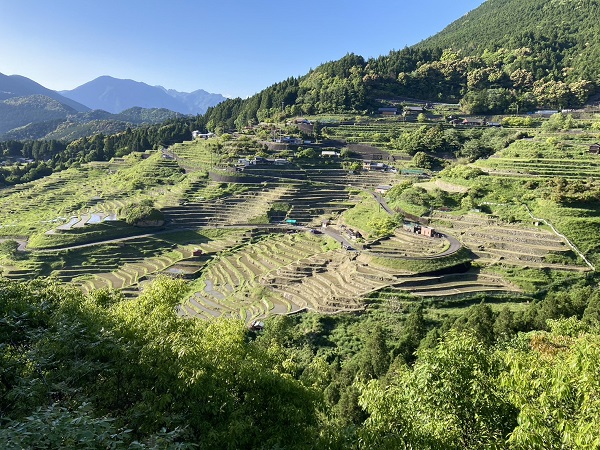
388, 111
197, 135
372, 165
417, 228
329, 154
411, 227
595, 149
383, 189
197, 252
427, 231
410, 110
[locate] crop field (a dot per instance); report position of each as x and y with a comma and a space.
544, 158
495, 242
231, 285
226, 240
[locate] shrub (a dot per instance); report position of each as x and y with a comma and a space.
144, 211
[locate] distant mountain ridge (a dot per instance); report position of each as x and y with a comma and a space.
29, 110
116, 95
18, 86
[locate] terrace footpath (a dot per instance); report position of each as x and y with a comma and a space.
560, 235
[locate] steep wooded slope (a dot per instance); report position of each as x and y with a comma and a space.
565, 31
506, 55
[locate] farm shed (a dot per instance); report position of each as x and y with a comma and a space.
388, 111
595, 149
382, 189
411, 227
427, 231
407, 110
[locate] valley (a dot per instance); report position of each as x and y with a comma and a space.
308, 233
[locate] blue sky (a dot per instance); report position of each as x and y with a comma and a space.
231, 47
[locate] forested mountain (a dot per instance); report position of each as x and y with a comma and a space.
28, 110
116, 95
19, 86
505, 56
19, 111
563, 34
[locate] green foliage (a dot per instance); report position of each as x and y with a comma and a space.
525, 122
134, 214
419, 407
551, 380
559, 121
383, 226
308, 153
462, 172
8, 248
77, 372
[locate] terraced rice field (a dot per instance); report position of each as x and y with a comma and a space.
545, 168
231, 283
405, 244
286, 274
496, 242
309, 202
170, 259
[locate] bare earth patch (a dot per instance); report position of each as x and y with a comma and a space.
443, 185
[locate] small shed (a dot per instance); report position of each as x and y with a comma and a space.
427, 231
383, 189
595, 149
388, 111
411, 227
408, 110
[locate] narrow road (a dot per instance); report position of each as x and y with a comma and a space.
384, 204
455, 244
163, 231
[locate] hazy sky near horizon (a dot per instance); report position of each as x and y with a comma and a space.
231, 47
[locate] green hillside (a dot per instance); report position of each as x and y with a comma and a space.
43, 118
564, 32
505, 56
19, 111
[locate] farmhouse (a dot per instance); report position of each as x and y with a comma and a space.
408, 110
197, 135
595, 149
289, 140
329, 154
388, 111
471, 123
372, 165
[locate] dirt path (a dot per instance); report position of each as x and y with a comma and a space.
562, 236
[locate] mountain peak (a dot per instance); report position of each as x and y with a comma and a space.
116, 95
